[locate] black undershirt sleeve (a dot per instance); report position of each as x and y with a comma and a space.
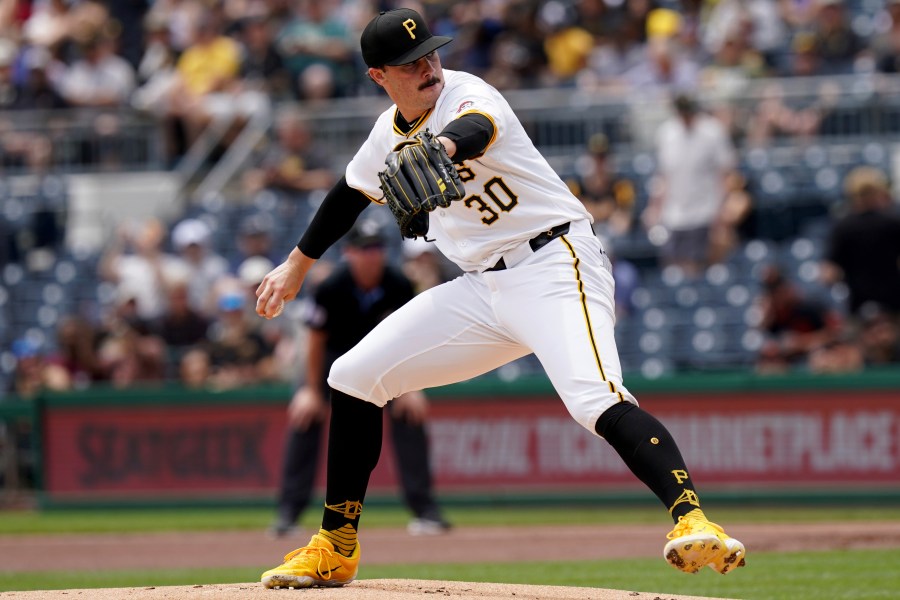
337, 214
471, 133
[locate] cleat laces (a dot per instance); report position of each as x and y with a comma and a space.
688, 523
301, 556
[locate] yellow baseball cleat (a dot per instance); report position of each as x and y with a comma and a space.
696, 542
315, 565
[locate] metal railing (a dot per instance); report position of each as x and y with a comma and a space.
559, 121
83, 140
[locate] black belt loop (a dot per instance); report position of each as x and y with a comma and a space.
536, 243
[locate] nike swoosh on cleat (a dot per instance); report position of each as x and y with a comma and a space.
329, 572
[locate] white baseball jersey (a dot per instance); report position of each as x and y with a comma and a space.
556, 302
512, 194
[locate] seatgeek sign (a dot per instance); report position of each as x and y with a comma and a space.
479, 445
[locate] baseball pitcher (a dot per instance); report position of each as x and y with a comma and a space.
455, 166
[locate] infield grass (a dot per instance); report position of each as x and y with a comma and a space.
837, 575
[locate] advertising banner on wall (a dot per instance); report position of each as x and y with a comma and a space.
797, 438
481, 445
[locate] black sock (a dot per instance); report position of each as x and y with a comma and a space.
649, 451
354, 445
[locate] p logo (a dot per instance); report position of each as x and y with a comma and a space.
410, 26
680, 475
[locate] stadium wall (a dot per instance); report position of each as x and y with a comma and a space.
801, 438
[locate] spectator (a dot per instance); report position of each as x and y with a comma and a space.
49, 24
202, 266
8, 91
615, 55
836, 43
609, 197
135, 262
886, 45
129, 351
181, 326
262, 67
291, 166
864, 246
207, 70
759, 23
182, 16
156, 72
195, 369
841, 355
37, 92
78, 343
798, 14
254, 239
346, 306
695, 159
732, 67
34, 373
99, 78
879, 337
316, 36
567, 45
665, 66
280, 334
239, 355
805, 59
794, 326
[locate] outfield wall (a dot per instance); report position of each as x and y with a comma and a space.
743, 437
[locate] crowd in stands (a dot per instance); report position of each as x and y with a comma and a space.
180, 297
190, 62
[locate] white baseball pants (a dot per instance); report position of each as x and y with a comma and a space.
556, 302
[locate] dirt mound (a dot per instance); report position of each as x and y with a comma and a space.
371, 589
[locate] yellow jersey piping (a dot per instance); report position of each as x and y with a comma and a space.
415, 125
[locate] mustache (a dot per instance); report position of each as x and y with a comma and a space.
429, 83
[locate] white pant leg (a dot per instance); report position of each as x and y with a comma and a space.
444, 335
559, 303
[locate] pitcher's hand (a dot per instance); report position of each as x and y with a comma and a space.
282, 284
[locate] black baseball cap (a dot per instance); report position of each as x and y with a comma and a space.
366, 233
397, 37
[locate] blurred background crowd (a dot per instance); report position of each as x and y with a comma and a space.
738, 157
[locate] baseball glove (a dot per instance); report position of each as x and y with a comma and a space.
419, 178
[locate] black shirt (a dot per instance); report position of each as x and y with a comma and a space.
347, 313
866, 246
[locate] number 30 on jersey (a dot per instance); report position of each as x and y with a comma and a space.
501, 197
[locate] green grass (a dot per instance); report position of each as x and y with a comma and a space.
856, 575
135, 521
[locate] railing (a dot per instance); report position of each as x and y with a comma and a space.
83, 140
560, 121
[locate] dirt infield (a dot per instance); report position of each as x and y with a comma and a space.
395, 546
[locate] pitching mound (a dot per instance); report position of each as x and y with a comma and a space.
370, 589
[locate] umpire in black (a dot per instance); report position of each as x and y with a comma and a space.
346, 306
